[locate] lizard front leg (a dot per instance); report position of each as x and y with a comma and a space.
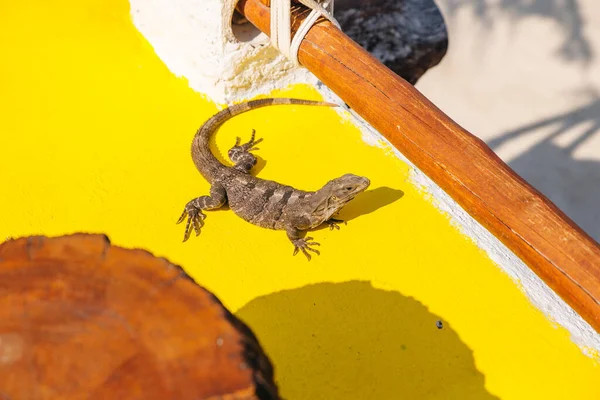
300, 243
240, 154
193, 209
334, 223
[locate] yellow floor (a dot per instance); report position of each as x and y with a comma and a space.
95, 137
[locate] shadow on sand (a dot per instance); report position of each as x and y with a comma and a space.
566, 14
573, 185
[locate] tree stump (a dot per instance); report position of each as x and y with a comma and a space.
80, 318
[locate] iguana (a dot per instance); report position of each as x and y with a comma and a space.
262, 202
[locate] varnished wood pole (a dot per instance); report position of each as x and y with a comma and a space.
556, 249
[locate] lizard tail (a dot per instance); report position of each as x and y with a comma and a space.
205, 161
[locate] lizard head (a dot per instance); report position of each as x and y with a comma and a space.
334, 195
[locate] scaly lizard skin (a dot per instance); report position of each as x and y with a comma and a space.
262, 202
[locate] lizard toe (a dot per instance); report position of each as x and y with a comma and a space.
197, 225
188, 229
183, 215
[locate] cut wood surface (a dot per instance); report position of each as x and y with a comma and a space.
80, 318
553, 246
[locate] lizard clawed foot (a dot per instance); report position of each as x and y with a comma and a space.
249, 146
303, 245
333, 223
195, 216
241, 154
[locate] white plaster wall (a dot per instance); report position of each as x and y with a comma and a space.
194, 39
227, 70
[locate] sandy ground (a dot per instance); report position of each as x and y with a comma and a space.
524, 75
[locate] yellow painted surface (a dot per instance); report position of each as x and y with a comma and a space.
95, 137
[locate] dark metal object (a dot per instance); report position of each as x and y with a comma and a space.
408, 36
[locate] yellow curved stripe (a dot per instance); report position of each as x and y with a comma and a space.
95, 137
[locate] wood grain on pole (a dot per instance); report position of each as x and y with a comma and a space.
552, 245
80, 318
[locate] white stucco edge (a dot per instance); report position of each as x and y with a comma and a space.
226, 70
195, 40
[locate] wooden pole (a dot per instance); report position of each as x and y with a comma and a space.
552, 245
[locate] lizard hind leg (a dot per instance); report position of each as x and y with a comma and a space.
193, 209
241, 156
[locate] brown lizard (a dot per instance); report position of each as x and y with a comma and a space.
262, 202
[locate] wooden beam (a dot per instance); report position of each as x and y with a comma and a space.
552, 245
